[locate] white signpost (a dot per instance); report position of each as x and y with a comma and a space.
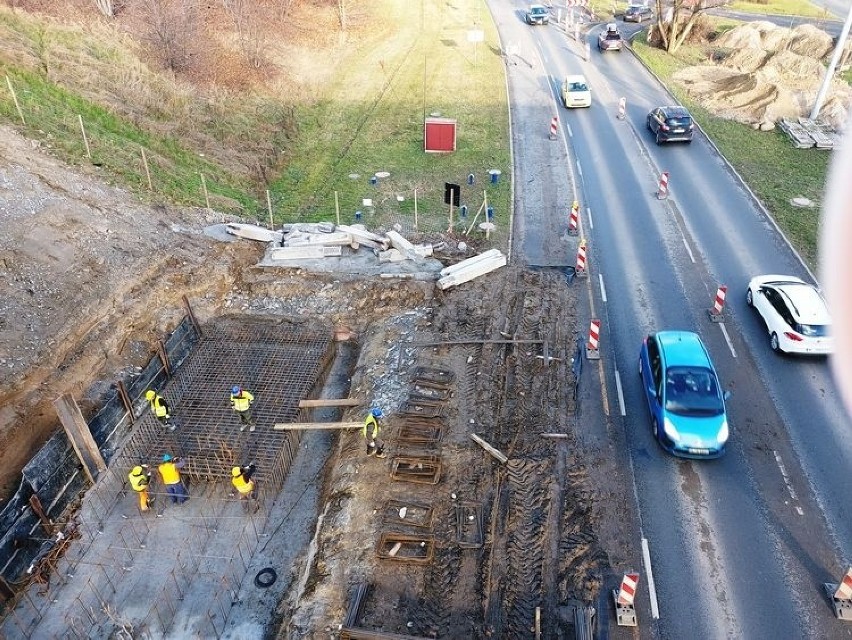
475, 36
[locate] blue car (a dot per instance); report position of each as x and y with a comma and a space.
684, 395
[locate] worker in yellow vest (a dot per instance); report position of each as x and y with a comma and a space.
241, 401
241, 478
160, 408
170, 473
140, 478
371, 434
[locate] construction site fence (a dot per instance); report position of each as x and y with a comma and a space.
53, 480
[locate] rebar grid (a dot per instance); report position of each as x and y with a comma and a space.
279, 362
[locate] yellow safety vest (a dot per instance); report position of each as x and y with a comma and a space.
158, 407
139, 483
242, 401
241, 485
169, 473
371, 420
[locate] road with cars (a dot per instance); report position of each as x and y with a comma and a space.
738, 547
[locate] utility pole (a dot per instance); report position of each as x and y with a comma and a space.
835, 58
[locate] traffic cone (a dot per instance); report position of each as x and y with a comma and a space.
592, 351
574, 219
625, 611
580, 269
663, 191
715, 312
554, 127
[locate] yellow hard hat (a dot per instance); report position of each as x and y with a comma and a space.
149, 395
137, 470
236, 471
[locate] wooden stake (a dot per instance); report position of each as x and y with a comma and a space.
329, 402
147, 172
337, 208
294, 426
80, 436
450, 228
415, 209
206, 195
494, 452
269, 206
15, 98
480, 210
85, 139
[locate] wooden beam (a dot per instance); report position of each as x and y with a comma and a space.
553, 435
81, 438
292, 426
329, 402
472, 341
494, 452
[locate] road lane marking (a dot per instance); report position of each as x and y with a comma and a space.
570, 133
620, 393
579, 169
727, 339
688, 250
784, 475
604, 394
589, 214
652, 589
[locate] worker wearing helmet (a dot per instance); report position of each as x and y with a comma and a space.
140, 478
170, 473
241, 478
160, 408
241, 401
371, 434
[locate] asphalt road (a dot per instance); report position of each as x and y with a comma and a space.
739, 547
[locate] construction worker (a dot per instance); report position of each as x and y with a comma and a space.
140, 478
241, 478
170, 473
241, 401
371, 434
160, 408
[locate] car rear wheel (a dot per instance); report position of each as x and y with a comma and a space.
648, 122
749, 298
659, 138
773, 342
655, 428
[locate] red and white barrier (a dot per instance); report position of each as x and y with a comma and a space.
554, 127
715, 312
663, 191
627, 592
622, 107
574, 219
625, 611
592, 346
841, 596
580, 269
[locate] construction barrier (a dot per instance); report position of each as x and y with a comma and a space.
715, 312
625, 611
554, 127
580, 268
592, 350
574, 219
622, 107
663, 190
841, 596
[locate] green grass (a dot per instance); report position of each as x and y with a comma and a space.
780, 8
770, 165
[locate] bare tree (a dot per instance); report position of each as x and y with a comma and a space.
173, 30
248, 20
106, 8
675, 22
341, 14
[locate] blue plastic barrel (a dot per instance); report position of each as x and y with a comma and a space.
463, 211
489, 213
495, 175
357, 215
374, 180
471, 178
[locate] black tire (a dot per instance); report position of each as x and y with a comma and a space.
659, 138
655, 429
749, 298
265, 578
648, 122
774, 344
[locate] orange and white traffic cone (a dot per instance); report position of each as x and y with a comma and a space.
663, 190
580, 268
554, 127
715, 312
574, 219
592, 350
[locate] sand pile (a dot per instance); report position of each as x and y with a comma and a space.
769, 73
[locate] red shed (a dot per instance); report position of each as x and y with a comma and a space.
439, 135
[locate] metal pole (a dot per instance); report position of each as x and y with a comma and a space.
835, 58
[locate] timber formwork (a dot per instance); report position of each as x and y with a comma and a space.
279, 362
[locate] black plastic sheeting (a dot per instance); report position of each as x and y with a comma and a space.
55, 474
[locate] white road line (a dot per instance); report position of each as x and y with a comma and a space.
620, 393
784, 475
579, 169
589, 214
603, 290
688, 250
570, 133
727, 339
652, 589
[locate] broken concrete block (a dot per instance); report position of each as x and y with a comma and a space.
472, 271
304, 252
464, 264
339, 238
364, 237
253, 232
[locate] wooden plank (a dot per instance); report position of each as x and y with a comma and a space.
494, 452
293, 426
329, 402
80, 436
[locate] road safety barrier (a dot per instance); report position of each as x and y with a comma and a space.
592, 350
715, 312
625, 611
580, 269
622, 107
574, 219
663, 190
554, 125
841, 596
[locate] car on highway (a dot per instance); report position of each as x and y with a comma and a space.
610, 38
537, 14
684, 396
671, 124
794, 312
576, 92
637, 13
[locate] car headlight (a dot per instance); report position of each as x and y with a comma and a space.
723, 433
669, 428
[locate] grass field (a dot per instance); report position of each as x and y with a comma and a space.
770, 165
780, 8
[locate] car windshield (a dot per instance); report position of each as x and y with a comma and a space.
693, 391
635, 9
813, 330
613, 35
679, 121
538, 11
578, 86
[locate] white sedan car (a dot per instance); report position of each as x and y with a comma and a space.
795, 313
576, 92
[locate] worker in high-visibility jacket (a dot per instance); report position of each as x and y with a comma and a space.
160, 408
170, 473
241, 401
241, 478
140, 478
371, 434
